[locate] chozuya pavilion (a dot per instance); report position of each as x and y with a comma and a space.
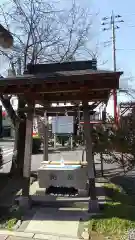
79, 81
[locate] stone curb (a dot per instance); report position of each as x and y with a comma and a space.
16, 234
4, 234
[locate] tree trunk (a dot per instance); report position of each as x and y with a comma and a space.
21, 137
11, 113
19, 145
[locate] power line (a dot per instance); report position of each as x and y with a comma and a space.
123, 49
130, 26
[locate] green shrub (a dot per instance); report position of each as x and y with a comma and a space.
118, 213
36, 144
116, 220
11, 223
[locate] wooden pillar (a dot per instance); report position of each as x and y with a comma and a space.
93, 202
45, 155
27, 157
21, 137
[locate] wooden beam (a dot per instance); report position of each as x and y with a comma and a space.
59, 114
92, 96
58, 109
61, 87
98, 80
93, 202
45, 150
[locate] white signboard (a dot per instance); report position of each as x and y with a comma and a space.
62, 124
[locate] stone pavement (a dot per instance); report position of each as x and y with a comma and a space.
9, 235
58, 221
54, 223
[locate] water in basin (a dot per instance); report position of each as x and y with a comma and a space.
72, 167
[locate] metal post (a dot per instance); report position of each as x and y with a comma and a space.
54, 140
93, 202
45, 155
71, 141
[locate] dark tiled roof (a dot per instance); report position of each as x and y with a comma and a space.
62, 73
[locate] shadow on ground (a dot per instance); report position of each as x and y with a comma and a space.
59, 149
127, 182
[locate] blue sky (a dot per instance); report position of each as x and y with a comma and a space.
124, 36
125, 39
125, 42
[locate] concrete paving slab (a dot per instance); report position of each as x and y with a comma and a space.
16, 234
3, 237
23, 234
18, 238
53, 221
68, 238
26, 219
45, 237
5, 232
52, 237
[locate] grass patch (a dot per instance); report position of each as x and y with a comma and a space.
10, 218
118, 213
113, 186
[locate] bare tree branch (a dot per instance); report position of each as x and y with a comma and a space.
44, 33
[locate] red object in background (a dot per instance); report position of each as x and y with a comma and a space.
4, 114
34, 134
115, 106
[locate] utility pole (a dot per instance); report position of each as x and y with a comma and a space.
112, 22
